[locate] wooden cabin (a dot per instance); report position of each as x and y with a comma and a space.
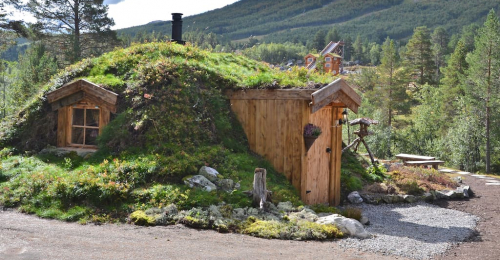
274, 121
83, 109
331, 57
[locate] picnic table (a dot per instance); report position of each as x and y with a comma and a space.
419, 160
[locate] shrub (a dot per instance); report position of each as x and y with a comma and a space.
140, 218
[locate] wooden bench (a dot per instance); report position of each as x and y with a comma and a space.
433, 163
411, 157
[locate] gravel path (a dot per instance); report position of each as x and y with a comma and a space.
418, 231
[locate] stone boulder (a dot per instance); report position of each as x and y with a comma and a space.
285, 206
348, 226
199, 181
226, 185
305, 214
409, 198
210, 173
354, 198
465, 190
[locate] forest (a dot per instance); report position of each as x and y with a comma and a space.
434, 88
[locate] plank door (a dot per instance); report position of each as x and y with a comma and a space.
317, 182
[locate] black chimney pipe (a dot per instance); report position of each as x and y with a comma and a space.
177, 28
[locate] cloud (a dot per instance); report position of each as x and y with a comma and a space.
112, 2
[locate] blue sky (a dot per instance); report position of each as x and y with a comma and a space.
128, 13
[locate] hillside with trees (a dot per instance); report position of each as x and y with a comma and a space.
298, 21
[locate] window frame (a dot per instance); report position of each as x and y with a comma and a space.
85, 107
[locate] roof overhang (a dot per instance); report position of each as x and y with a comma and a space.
79, 90
336, 92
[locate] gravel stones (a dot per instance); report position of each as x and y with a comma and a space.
417, 231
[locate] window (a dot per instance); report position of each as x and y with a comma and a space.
334, 58
309, 60
84, 126
328, 59
327, 65
334, 72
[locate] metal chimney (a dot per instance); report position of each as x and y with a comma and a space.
177, 28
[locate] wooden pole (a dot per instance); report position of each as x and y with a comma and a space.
259, 188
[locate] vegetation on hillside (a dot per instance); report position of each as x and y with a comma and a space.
297, 21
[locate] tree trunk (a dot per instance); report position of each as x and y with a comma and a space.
488, 144
259, 188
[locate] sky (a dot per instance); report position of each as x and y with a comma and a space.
128, 13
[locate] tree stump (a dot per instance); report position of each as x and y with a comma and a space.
259, 188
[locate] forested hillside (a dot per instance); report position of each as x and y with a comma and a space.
298, 20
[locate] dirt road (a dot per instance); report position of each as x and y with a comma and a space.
28, 237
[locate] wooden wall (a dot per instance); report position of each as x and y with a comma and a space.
274, 130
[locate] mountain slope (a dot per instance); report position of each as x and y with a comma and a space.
280, 21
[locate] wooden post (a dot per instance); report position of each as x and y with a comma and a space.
259, 188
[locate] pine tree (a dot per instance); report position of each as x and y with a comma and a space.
484, 75
419, 56
332, 35
392, 75
81, 23
358, 49
319, 40
451, 83
440, 48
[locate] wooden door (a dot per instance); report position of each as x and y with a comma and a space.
317, 183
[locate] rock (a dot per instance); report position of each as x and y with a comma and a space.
305, 214
214, 212
457, 179
372, 198
354, 198
444, 194
210, 173
428, 197
389, 199
348, 226
364, 220
171, 209
226, 185
199, 181
465, 190
409, 198
239, 214
285, 206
